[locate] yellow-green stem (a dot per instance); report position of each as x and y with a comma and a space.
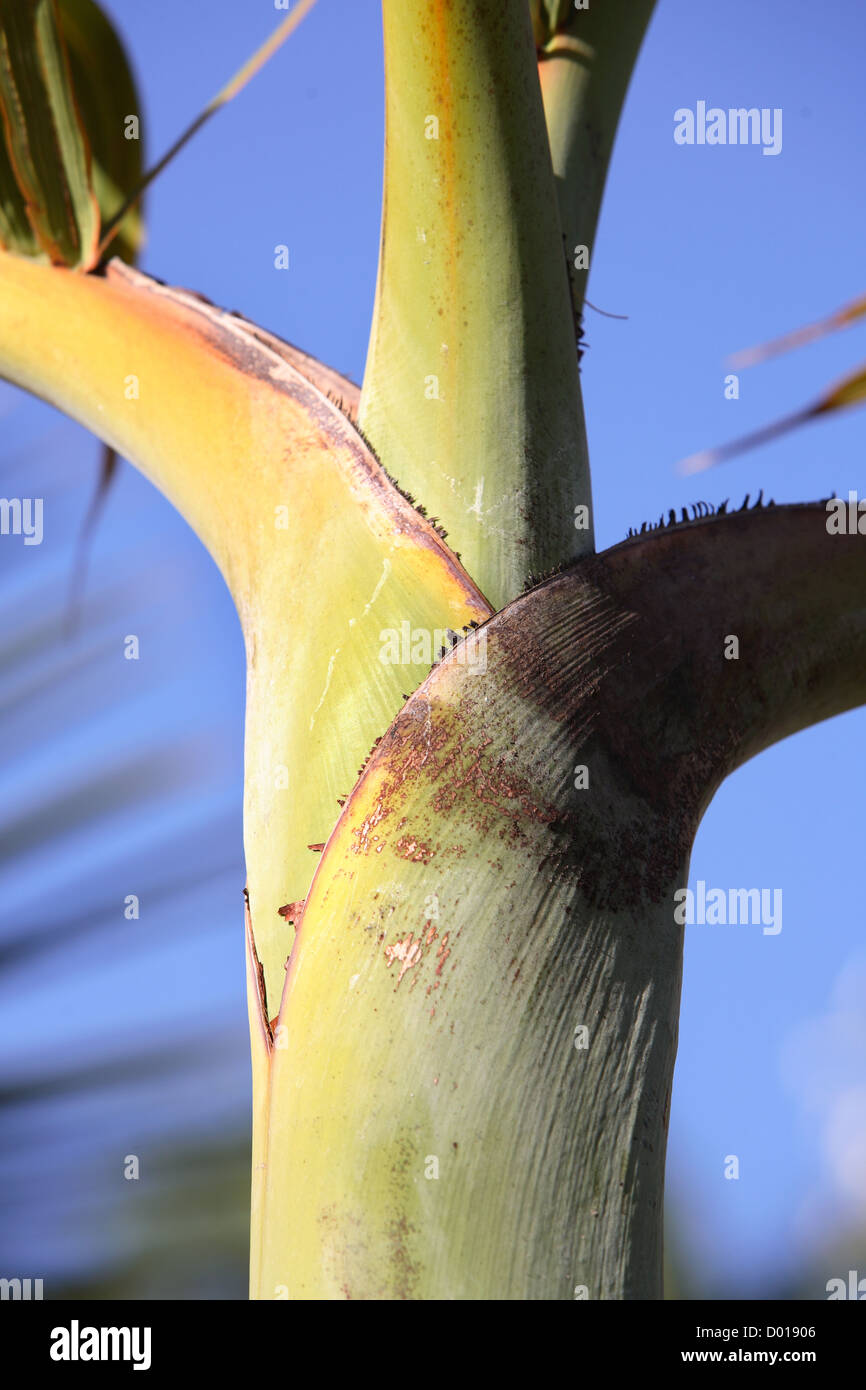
471, 396
586, 58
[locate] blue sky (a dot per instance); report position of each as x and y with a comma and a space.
707, 250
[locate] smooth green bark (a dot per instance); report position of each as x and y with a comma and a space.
471, 395
586, 59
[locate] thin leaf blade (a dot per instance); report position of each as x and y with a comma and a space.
45, 141
850, 390
107, 97
798, 337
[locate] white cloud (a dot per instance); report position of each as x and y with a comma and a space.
823, 1064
